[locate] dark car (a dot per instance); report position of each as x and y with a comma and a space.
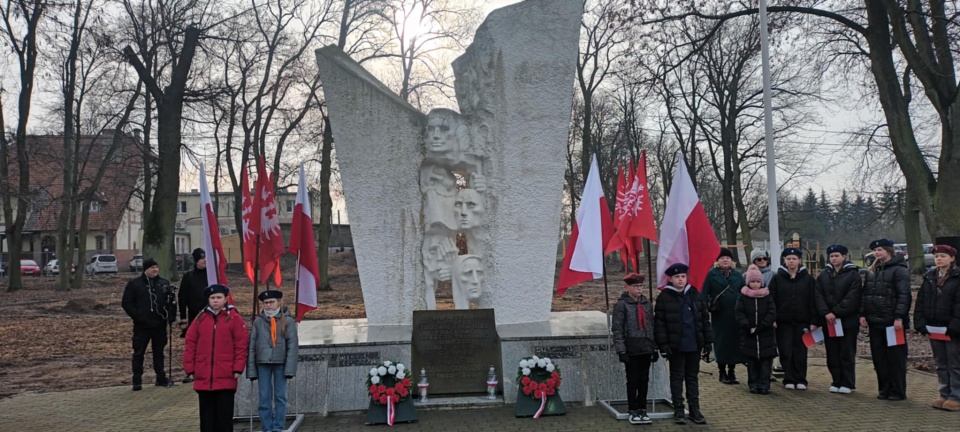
184, 262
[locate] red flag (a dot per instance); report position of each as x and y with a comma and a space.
271, 238
583, 259
251, 226
213, 247
686, 235
636, 219
617, 214
303, 244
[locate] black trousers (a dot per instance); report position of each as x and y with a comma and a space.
842, 358
684, 368
758, 373
157, 338
638, 381
793, 353
890, 364
216, 410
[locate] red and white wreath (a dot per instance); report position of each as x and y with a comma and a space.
388, 384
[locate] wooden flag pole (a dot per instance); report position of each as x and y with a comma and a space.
650, 272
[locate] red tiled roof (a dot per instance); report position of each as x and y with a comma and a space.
119, 181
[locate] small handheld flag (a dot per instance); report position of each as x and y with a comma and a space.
938, 333
812, 338
835, 330
895, 337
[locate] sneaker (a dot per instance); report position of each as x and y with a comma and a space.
644, 418
163, 383
801, 386
845, 390
789, 386
834, 389
951, 406
137, 387
764, 391
697, 417
679, 417
938, 404
754, 391
187, 380
634, 418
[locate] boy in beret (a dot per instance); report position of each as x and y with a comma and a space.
885, 302
938, 305
146, 301
682, 332
272, 358
220, 334
837, 297
792, 290
633, 340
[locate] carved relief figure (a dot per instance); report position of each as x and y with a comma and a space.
438, 186
469, 209
439, 251
445, 132
467, 280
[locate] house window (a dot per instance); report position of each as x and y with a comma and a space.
182, 207
94, 207
100, 243
290, 205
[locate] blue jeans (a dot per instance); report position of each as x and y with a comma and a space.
273, 396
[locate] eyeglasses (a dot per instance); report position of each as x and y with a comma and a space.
760, 259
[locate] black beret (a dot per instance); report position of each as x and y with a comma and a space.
676, 269
198, 254
270, 294
724, 252
881, 243
216, 289
633, 279
837, 248
791, 251
149, 262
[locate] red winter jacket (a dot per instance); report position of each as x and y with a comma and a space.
216, 348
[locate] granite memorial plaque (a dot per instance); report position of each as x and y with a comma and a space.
457, 348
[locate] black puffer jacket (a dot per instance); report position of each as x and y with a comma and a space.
628, 337
759, 313
144, 300
886, 295
939, 306
668, 321
838, 292
793, 296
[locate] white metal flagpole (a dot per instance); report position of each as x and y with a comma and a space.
768, 128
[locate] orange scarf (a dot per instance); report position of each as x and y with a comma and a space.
273, 331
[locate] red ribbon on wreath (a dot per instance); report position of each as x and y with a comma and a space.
541, 390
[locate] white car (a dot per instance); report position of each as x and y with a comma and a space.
102, 264
136, 264
53, 268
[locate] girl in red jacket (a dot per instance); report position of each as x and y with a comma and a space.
214, 357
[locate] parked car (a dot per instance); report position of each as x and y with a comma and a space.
53, 267
901, 248
29, 267
136, 264
106, 263
184, 262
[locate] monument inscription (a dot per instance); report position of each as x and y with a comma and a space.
457, 348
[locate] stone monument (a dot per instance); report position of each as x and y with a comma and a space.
491, 171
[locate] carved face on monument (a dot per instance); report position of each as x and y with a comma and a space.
437, 179
468, 276
469, 209
445, 128
437, 253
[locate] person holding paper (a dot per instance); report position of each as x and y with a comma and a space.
937, 315
885, 303
792, 291
837, 299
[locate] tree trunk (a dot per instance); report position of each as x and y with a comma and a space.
911, 228
326, 207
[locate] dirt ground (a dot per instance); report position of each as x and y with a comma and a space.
55, 341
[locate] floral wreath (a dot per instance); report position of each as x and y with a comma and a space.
376, 383
530, 386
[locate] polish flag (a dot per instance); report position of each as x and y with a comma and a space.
303, 244
812, 338
216, 260
938, 333
686, 235
583, 259
251, 226
895, 337
835, 330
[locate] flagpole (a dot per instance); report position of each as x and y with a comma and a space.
768, 132
606, 297
650, 275
296, 287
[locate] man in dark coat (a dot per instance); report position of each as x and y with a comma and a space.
190, 297
682, 332
721, 291
885, 302
792, 291
837, 298
149, 300
633, 339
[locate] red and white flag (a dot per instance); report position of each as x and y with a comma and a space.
812, 338
895, 337
271, 238
303, 244
938, 333
636, 214
835, 330
583, 259
212, 246
686, 235
251, 226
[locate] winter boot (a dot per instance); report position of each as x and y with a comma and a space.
732, 375
696, 416
723, 374
679, 417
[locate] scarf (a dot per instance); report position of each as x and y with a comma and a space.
755, 293
641, 316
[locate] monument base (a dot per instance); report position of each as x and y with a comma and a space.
336, 356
